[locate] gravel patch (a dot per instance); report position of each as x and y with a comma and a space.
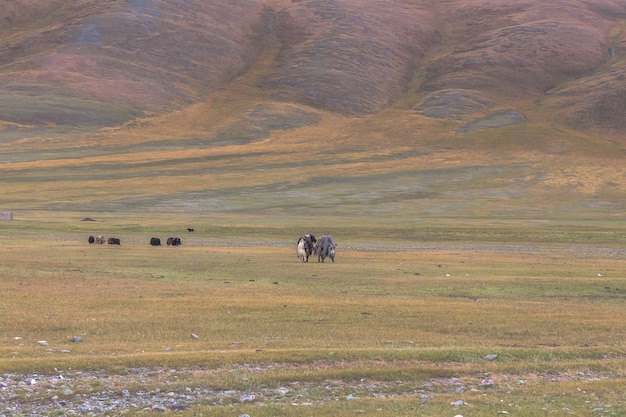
147, 389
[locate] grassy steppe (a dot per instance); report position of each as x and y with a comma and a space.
424, 304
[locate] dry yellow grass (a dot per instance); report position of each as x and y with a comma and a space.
420, 304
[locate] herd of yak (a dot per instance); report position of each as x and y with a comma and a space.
155, 241
323, 248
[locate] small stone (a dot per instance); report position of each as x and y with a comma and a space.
487, 383
457, 403
159, 407
491, 356
43, 342
76, 339
194, 336
246, 398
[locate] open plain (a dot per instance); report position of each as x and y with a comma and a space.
518, 318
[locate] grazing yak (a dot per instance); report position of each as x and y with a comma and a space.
325, 247
100, 240
114, 241
91, 239
155, 241
305, 247
173, 241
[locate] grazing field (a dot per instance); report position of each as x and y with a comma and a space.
524, 318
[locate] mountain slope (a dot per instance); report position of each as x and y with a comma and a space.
77, 63
464, 108
85, 64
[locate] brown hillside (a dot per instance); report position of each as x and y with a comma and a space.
344, 57
104, 64
85, 64
419, 107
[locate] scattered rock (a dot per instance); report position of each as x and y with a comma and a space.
487, 383
491, 356
43, 343
65, 390
493, 120
247, 398
453, 105
194, 336
76, 339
